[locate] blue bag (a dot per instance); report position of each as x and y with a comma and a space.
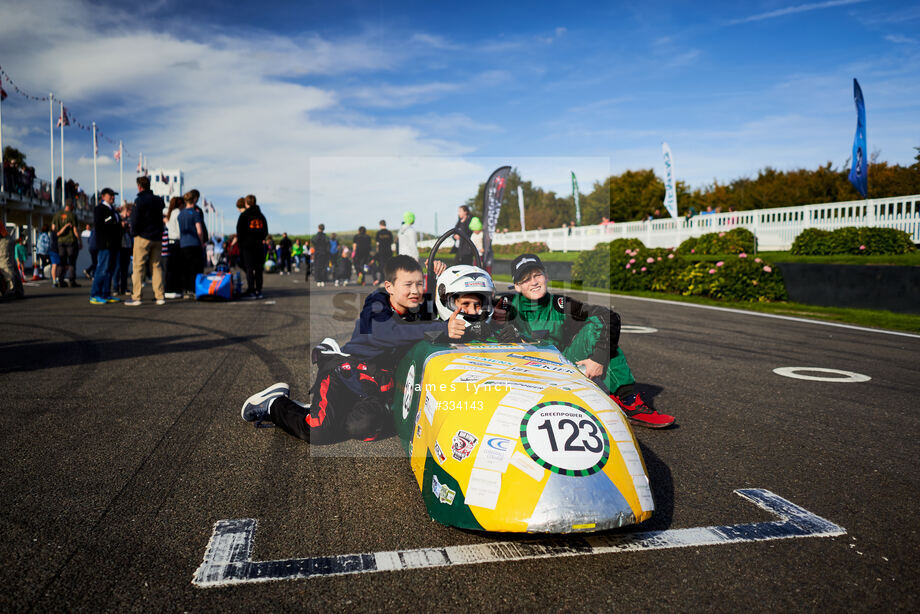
214, 286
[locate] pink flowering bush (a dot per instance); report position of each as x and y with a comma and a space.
619, 267
735, 241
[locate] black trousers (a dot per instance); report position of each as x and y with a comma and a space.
321, 263
253, 260
175, 271
193, 260
295, 420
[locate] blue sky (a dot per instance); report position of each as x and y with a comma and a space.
348, 112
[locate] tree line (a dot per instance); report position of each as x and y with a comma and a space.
638, 194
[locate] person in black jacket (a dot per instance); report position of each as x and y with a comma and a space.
320, 255
285, 244
147, 230
462, 228
354, 383
107, 226
251, 230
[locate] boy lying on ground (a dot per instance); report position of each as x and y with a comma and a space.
354, 384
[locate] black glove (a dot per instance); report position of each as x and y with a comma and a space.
508, 334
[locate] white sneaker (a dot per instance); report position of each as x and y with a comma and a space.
132, 303
161, 301
173, 295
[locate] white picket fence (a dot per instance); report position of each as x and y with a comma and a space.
775, 229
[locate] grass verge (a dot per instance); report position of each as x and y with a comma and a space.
870, 318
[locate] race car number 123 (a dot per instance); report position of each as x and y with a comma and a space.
565, 439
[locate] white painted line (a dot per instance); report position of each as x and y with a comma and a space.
228, 558
847, 377
751, 313
626, 328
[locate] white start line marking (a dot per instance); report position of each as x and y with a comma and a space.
228, 558
638, 329
838, 376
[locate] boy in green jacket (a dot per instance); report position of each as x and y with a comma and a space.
588, 335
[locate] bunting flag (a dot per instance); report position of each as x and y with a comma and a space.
16, 89
139, 159
117, 155
63, 120
859, 171
3, 95
575, 197
670, 194
491, 207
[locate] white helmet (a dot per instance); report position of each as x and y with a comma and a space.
463, 279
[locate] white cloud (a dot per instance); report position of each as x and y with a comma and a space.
233, 111
800, 8
901, 39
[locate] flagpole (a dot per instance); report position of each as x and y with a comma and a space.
62, 153
121, 171
51, 125
95, 177
1, 140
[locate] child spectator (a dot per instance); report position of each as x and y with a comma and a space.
342, 272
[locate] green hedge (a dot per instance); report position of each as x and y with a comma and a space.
524, 247
852, 240
626, 264
735, 241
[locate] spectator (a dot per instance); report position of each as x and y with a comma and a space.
307, 249
342, 269
107, 225
251, 231
123, 261
42, 247
9, 276
233, 252
147, 230
321, 253
407, 238
361, 252
64, 225
218, 251
333, 245
54, 257
462, 228
89, 237
285, 261
476, 238
191, 241
384, 240
174, 267
297, 254
20, 256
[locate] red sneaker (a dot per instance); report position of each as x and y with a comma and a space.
643, 415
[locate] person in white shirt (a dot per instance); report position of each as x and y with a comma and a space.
407, 238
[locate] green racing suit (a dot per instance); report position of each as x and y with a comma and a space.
579, 330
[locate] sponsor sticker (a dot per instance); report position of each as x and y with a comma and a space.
565, 438
418, 426
534, 358
483, 489
408, 391
494, 453
430, 405
439, 453
463, 444
441, 491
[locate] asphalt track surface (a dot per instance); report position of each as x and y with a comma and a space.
122, 446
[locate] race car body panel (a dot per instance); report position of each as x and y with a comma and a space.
515, 438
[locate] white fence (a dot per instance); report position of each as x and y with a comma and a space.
775, 229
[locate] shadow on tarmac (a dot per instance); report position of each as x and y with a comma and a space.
32, 356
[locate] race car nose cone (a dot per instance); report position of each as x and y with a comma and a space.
568, 503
